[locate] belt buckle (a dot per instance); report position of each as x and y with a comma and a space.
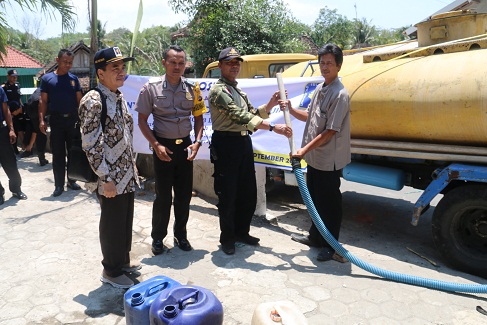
243, 133
179, 141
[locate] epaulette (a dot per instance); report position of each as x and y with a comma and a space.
190, 83
155, 80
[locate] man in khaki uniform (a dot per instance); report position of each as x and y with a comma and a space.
172, 100
233, 120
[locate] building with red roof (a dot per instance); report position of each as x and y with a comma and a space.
26, 66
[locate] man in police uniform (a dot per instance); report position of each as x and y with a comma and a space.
7, 155
171, 99
12, 89
233, 120
61, 91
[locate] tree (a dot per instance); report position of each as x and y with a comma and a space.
387, 36
365, 33
252, 26
46, 7
330, 27
150, 45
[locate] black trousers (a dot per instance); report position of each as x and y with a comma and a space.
41, 141
18, 122
62, 133
176, 175
117, 215
324, 188
235, 184
9, 162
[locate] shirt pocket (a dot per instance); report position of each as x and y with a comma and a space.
321, 121
162, 102
187, 104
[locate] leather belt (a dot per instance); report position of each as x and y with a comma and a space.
175, 141
232, 134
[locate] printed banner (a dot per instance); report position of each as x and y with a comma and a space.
270, 149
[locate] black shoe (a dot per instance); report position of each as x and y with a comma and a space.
43, 162
19, 195
249, 240
303, 239
73, 186
183, 244
58, 191
2, 199
228, 249
325, 254
157, 247
26, 154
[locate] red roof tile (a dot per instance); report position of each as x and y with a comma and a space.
17, 59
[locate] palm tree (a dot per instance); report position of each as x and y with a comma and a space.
365, 33
46, 7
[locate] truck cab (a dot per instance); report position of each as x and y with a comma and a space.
261, 65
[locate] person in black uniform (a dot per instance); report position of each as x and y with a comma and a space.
32, 111
14, 103
234, 118
7, 155
60, 90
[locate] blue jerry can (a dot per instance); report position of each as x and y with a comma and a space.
139, 298
185, 305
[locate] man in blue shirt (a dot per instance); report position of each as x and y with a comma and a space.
61, 92
7, 155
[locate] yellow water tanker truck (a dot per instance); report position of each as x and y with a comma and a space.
419, 118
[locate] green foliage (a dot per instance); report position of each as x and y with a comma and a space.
386, 36
45, 7
148, 51
331, 27
244, 25
365, 33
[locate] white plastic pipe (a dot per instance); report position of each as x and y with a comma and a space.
287, 116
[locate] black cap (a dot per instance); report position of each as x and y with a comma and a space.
228, 54
13, 105
12, 72
109, 55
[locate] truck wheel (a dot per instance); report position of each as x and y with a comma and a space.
460, 228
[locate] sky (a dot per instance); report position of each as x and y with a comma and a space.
122, 13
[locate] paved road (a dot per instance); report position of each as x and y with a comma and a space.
51, 260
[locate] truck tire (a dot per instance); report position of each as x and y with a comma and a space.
460, 228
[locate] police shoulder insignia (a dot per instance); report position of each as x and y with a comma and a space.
190, 83
143, 89
155, 80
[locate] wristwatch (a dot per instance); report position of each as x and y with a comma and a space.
199, 141
271, 126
